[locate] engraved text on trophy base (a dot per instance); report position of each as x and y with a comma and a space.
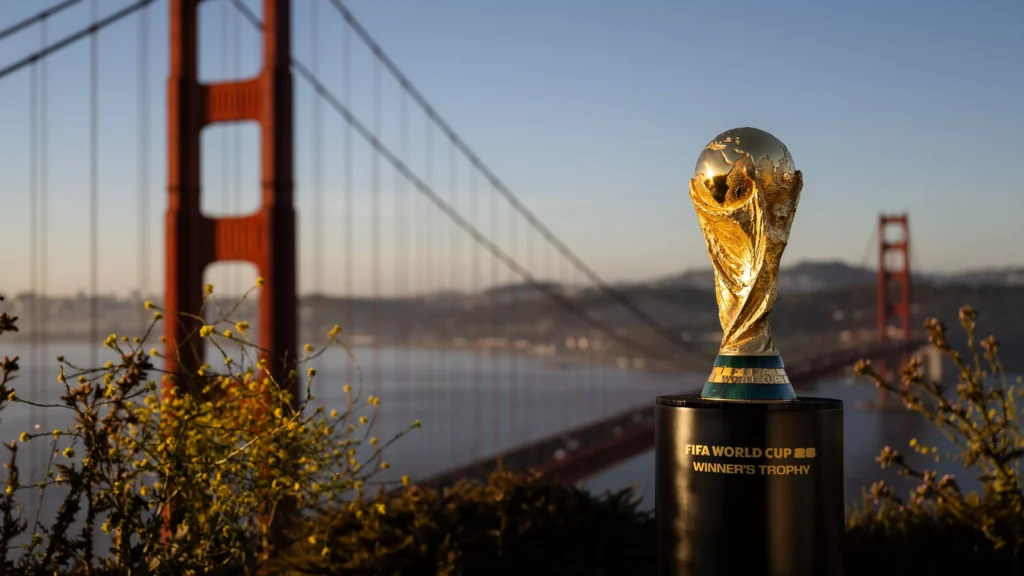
770, 461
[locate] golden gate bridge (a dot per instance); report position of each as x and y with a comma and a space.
452, 240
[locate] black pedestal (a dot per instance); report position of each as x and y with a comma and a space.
749, 488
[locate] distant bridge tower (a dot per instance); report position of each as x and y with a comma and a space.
893, 280
267, 237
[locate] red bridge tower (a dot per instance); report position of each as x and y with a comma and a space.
893, 280
265, 238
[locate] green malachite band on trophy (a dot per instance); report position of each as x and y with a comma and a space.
749, 362
748, 378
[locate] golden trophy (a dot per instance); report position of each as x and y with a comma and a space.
745, 192
748, 478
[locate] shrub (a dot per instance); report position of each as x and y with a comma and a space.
940, 529
189, 484
513, 524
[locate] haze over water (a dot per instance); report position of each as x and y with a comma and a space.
534, 399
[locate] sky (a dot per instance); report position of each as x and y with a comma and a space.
592, 112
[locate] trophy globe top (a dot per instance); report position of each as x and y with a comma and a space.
760, 148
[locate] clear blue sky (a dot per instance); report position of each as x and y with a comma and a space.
592, 111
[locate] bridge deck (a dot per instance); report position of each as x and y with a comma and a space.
576, 454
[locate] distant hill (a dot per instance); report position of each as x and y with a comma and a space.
803, 277
991, 277
817, 276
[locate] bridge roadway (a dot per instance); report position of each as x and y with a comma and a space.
579, 453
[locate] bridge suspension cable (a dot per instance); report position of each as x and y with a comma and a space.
496, 183
37, 18
665, 332
442, 205
70, 39
671, 336
454, 215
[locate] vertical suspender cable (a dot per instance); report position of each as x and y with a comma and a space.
477, 387
398, 313
235, 286
375, 231
495, 320
346, 65
94, 217
528, 383
44, 202
94, 190
318, 173
35, 381
225, 143
513, 358
225, 192
450, 321
143, 166
428, 239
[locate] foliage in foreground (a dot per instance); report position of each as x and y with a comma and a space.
940, 529
522, 525
513, 524
220, 455
217, 459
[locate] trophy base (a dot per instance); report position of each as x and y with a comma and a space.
758, 378
752, 488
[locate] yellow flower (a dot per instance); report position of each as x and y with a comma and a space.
209, 289
148, 304
405, 480
311, 372
333, 414
260, 282
308, 348
69, 452
325, 552
205, 331
381, 508
23, 437
60, 377
157, 316
10, 490
311, 539
347, 388
373, 441
154, 352
108, 365
416, 424
384, 465
110, 341
11, 396
56, 433
241, 326
334, 332
363, 420
227, 334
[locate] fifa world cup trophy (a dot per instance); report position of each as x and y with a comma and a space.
746, 192
748, 477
